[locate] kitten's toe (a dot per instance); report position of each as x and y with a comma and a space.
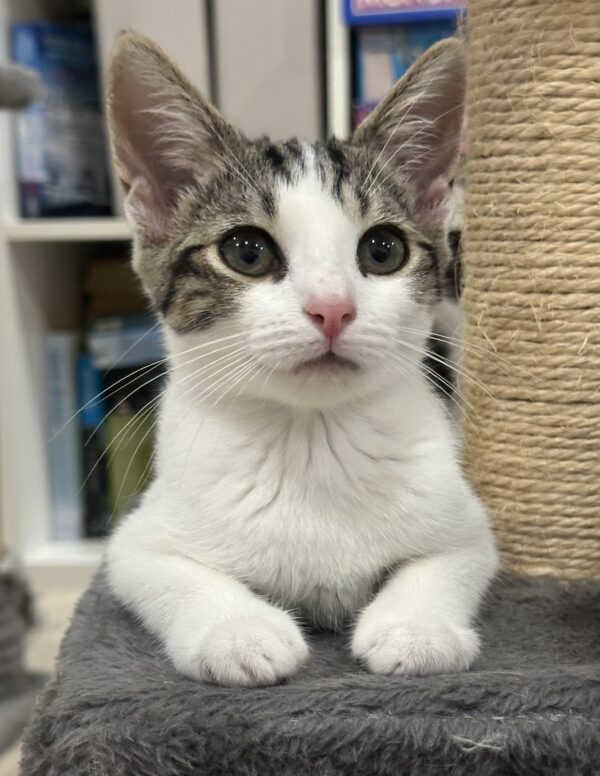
411, 647
250, 651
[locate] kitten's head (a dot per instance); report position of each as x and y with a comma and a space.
305, 273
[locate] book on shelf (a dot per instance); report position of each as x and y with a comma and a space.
62, 161
130, 437
92, 414
101, 409
127, 354
63, 435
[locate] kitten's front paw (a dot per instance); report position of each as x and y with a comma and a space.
250, 651
412, 647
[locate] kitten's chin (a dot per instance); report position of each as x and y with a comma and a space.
325, 365
319, 383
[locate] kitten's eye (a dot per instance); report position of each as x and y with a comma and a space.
250, 252
381, 251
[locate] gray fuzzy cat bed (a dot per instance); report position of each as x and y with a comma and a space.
18, 687
530, 706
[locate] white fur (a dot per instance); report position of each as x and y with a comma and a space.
288, 493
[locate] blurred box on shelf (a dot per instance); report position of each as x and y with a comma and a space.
120, 333
112, 288
103, 385
117, 421
124, 365
360, 111
62, 157
100, 421
125, 341
384, 54
361, 12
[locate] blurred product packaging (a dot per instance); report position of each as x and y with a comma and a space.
60, 139
384, 54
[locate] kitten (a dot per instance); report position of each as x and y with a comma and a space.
306, 472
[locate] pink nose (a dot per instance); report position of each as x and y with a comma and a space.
330, 317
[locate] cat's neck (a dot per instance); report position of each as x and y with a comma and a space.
406, 410
373, 403
203, 446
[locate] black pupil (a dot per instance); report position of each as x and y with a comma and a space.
380, 248
249, 249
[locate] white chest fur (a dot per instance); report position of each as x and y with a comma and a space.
309, 508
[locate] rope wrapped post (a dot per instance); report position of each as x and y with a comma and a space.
532, 280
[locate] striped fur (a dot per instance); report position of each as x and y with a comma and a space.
190, 294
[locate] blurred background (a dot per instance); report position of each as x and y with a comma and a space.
80, 356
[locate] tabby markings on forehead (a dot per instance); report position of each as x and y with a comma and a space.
285, 159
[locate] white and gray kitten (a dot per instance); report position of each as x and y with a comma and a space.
306, 472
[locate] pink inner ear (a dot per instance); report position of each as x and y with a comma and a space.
432, 201
145, 201
435, 194
153, 185
151, 145
144, 204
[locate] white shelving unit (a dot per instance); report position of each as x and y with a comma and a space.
45, 230
40, 263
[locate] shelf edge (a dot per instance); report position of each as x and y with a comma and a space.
65, 230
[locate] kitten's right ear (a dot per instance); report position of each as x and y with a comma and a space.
164, 135
416, 129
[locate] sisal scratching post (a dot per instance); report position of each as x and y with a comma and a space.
532, 279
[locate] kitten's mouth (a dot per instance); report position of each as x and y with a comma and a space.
326, 362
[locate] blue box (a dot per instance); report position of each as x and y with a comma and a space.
125, 341
384, 54
362, 12
62, 161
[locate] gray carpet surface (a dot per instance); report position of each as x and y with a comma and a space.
530, 706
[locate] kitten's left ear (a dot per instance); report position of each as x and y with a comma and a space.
417, 127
